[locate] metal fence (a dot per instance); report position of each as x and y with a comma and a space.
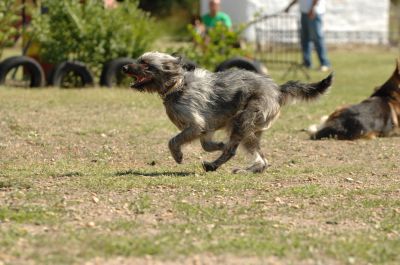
394, 25
277, 42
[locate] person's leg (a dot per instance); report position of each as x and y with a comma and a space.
319, 40
305, 39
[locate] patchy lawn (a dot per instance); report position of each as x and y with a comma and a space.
86, 178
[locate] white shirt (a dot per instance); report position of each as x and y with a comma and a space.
305, 6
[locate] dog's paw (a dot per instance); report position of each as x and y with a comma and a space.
175, 152
209, 166
257, 168
178, 157
239, 171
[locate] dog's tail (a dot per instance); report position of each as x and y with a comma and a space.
294, 90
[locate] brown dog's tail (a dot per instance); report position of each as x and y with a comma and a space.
294, 90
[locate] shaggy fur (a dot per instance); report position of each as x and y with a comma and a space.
377, 116
200, 102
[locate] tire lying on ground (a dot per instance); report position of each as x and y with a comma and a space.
71, 74
241, 63
111, 73
31, 67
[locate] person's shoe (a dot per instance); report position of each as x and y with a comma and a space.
324, 68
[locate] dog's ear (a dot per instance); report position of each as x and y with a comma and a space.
391, 85
397, 71
185, 63
188, 65
177, 55
396, 74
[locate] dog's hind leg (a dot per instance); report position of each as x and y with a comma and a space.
242, 125
228, 152
252, 145
208, 144
175, 144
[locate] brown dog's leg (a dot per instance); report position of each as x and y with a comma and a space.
186, 136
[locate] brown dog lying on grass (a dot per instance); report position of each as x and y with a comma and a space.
377, 116
200, 102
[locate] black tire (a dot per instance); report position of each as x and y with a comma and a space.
112, 74
75, 68
36, 72
241, 63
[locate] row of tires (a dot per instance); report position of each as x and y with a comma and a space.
78, 75
34, 72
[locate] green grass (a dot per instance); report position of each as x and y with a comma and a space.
36, 215
86, 175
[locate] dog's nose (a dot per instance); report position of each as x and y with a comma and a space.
125, 68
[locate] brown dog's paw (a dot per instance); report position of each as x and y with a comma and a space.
209, 166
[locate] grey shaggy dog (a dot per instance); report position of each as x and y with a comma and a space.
200, 102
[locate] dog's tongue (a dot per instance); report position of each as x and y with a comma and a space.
139, 78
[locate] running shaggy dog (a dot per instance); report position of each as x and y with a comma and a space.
200, 102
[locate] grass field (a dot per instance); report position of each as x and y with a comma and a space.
86, 178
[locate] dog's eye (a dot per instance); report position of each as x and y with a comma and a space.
150, 67
144, 65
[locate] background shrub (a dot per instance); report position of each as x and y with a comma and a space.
169, 7
87, 32
8, 19
219, 45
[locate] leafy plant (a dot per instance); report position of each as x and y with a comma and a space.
218, 45
88, 32
8, 19
168, 7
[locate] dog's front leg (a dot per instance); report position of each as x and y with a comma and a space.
175, 144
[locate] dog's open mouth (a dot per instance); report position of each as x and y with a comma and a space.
139, 80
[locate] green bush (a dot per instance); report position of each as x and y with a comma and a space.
219, 45
90, 33
8, 18
169, 7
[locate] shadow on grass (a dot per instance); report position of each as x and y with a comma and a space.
153, 174
68, 174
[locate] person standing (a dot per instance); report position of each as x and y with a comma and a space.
214, 16
312, 12
110, 4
